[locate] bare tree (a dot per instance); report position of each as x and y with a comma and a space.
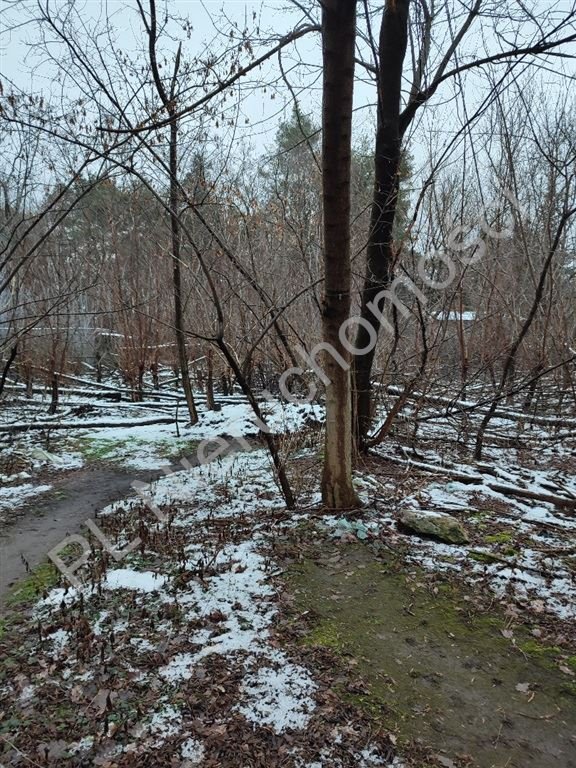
170, 101
434, 62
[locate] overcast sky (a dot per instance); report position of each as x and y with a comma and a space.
256, 109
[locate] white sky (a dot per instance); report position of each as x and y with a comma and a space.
211, 22
260, 110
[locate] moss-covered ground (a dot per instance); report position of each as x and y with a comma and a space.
437, 671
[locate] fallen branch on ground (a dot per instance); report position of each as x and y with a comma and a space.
476, 479
50, 425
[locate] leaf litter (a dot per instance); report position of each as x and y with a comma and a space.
172, 657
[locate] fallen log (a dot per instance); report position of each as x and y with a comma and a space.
50, 425
475, 479
456, 407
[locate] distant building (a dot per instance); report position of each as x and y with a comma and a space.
467, 316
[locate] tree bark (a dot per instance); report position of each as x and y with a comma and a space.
177, 277
210, 404
169, 100
224, 385
7, 365
380, 255
54, 394
338, 40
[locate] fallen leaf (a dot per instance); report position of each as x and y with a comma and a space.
77, 694
102, 702
52, 750
445, 762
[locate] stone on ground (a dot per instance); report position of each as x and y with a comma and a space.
438, 525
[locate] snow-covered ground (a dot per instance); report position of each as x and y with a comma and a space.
521, 548
179, 635
21, 465
172, 649
151, 446
16, 495
128, 436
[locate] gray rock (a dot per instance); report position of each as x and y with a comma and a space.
439, 526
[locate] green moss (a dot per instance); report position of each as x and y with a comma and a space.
99, 449
569, 689
484, 557
479, 513
29, 589
10, 724
325, 633
170, 449
3, 628
103, 449
372, 703
532, 647
511, 552
426, 659
498, 538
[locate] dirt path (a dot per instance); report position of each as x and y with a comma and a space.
45, 523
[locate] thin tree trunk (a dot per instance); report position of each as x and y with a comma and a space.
140, 389
7, 366
169, 101
462, 346
54, 394
155, 377
224, 385
177, 277
338, 39
29, 383
380, 254
210, 404
527, 404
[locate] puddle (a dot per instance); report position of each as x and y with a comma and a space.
435, 675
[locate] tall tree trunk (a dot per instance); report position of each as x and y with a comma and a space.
177, 276
29, 382
338, 39
380, 255
169, 100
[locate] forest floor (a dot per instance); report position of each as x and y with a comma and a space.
240, 634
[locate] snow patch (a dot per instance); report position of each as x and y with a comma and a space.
139, 581
193, 751
278, 696
13, 496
